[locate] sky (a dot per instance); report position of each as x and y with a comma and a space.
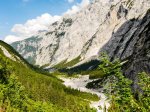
20, 19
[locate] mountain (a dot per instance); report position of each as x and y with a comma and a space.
24, 88
117, 27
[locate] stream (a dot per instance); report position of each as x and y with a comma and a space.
80, 84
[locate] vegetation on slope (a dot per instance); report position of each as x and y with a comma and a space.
93, 74
65, 64
88, 68
13, 97
123, 99
42, 92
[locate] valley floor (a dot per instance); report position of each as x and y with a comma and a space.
80, 83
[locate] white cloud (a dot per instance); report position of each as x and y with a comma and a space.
73, 10
76, 8
84, 3
31, 27
34, 25
70, 1
12, 38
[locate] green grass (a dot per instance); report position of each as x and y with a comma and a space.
65, 64
93, 74
60, 65
44, 66
72, 62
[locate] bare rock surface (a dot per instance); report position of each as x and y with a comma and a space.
118, 27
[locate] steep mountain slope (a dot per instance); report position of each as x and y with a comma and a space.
103, 26
133, 46
33, 91
63, 35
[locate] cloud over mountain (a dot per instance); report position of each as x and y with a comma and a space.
31, 27
75, 8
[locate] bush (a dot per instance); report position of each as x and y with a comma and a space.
119, 89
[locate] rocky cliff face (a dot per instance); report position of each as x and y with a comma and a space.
139, 60
118, 27
132, 44
131, 41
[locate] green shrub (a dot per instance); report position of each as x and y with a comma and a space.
119, 90
144, 96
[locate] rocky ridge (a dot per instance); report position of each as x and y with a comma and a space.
118, 27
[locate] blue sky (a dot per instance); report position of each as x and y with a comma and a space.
19, 11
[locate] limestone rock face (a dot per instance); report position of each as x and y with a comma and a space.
113, 26
131, 42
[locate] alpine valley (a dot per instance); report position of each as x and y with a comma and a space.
97, 60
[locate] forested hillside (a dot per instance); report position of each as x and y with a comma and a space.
24, 89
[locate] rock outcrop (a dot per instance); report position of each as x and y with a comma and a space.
131, 42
